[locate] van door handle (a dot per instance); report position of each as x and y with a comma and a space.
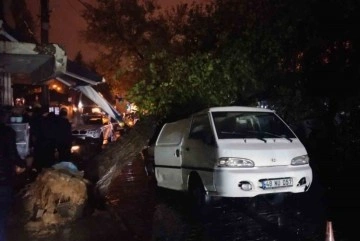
177, 153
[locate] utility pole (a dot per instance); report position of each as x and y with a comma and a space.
45, 95
44, 21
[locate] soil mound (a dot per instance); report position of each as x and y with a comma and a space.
55, 198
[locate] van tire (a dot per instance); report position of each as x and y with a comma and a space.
198, 198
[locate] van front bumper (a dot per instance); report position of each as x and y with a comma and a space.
249, 182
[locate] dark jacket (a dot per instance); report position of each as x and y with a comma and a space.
63, 128
9, 156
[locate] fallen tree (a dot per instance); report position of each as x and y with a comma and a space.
103, 167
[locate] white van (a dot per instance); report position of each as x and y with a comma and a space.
231, 151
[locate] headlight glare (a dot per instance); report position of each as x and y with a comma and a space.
75, 149
234, 162
300, 160
95, 133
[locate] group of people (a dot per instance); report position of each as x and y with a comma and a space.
10, 165
50, 142
50, 138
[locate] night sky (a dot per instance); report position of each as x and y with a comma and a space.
66, 23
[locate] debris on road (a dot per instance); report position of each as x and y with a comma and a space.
55, 198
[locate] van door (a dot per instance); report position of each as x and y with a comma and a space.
198, 149
167, 154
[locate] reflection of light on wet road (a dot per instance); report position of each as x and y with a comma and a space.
129, 179
133, 199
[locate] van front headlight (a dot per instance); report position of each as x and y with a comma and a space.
300, 160
234, 162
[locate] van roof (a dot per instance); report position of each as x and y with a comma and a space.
235, 108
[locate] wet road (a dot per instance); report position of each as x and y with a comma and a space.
141, 212
149, 213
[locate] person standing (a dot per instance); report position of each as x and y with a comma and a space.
10, 165
45, 142
63, 136
36, 137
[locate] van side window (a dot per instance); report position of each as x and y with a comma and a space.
200, 128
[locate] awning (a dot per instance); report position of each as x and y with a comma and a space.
82, 79
39, 62
42, 62
93, 95
76, 74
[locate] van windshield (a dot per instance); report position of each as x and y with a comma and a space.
260, 125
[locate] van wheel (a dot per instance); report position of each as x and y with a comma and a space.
198, 198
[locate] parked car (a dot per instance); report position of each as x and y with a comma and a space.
94, 129
233, 152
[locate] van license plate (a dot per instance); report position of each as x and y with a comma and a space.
276, 183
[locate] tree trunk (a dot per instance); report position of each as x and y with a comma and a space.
115, 155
